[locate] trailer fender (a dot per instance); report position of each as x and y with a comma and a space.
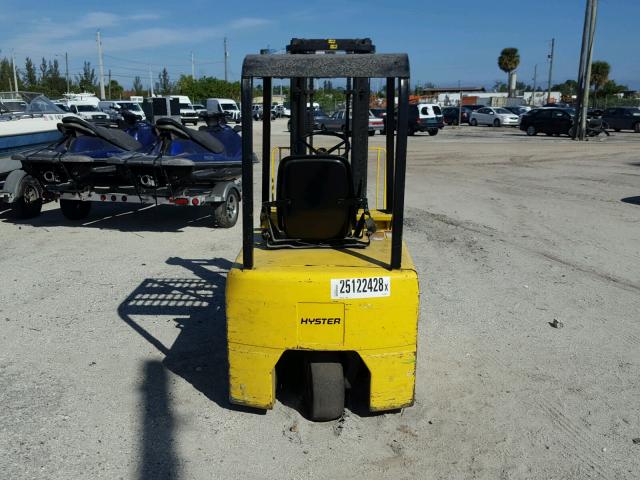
221, 191
11, 188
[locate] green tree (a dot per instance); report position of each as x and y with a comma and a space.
612, 88
138, 88
29, 77
207, 87
43, 73
87, 80
5, 74
599, 75
114, 89
57, 84
164, 85
566, 89
508, 61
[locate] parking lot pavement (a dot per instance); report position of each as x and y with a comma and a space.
112, 351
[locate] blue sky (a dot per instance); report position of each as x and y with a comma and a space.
447, 41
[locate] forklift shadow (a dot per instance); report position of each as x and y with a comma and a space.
631, 200
159, 459
196, 306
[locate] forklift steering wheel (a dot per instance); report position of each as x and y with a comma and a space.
324, 151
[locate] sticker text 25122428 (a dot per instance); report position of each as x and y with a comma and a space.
365, 287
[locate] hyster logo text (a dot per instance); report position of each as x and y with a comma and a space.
320, 321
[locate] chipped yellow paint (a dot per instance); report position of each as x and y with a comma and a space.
265, 305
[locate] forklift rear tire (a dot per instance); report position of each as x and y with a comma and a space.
28, 203
324, 387
75, 209
226, 213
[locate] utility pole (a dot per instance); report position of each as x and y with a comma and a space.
66, 69
100, 64
459, 104
193, 67
226, 56
553, 43
584, 75
110, 97
150, 82
15, 75
535, 78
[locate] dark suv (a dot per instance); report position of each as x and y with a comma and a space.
552, 121
622, 118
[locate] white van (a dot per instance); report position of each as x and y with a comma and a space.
187, 112
85, 105
224, 105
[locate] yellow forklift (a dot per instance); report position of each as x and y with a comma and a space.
323, 275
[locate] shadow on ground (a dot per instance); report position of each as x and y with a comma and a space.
196, 306
124, 218
158, 457
631, 200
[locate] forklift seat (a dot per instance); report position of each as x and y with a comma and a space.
315, 199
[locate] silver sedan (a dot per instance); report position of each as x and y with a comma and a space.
496, 117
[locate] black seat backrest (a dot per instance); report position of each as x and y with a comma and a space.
202, 138
315, 200
112, 135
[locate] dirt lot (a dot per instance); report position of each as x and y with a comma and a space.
509, 233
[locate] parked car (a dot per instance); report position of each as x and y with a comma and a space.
493, 116
451, 115
200, 110
336, 122
548, 120
227, 106
519, 109
133, 107
87, 111
187, 113
595, 112
422, 117
622, 118
379, 112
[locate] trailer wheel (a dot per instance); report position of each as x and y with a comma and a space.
324, 392
28, 202
75, 209
226, 213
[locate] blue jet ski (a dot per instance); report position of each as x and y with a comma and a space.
175, 165
77, 160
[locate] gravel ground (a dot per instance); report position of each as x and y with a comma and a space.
511, 235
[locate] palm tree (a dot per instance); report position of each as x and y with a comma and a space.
599, 75
508, 61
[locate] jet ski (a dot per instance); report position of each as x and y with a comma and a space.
175, 165
71, 163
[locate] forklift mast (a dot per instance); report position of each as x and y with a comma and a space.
356, 61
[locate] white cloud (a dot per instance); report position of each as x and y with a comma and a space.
46, 38
96, 20
105, 19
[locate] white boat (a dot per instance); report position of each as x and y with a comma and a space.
27, 119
